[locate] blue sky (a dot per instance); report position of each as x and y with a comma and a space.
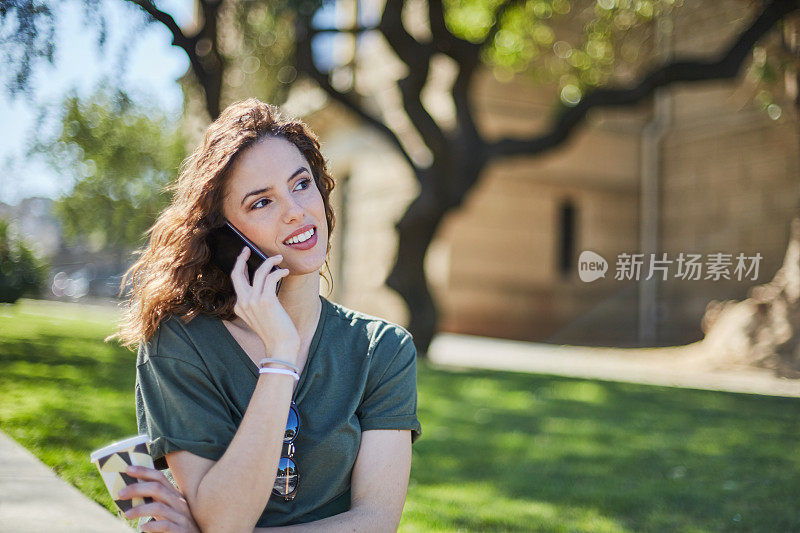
150, 74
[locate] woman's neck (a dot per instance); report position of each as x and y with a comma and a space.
299, 296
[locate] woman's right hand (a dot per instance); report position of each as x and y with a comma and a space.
169, 509
258, 306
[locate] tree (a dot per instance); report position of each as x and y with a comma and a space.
510, 36
121, 157
238, 48
21, 272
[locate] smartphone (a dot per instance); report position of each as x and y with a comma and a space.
226, 243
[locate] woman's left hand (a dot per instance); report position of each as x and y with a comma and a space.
170, 509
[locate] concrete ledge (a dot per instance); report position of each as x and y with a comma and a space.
34, 499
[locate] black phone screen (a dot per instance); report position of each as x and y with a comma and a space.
226, 243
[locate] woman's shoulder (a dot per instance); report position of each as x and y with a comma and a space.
179, 338
378, 330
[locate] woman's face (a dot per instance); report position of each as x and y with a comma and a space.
270, 195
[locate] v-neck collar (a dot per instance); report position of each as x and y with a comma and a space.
311, 349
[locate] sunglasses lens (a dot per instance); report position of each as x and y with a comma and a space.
286, 480
292, 425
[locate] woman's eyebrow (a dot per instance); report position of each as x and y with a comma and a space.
268, 188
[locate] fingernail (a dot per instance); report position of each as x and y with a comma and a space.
131, 469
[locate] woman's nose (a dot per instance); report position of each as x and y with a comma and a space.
292, 210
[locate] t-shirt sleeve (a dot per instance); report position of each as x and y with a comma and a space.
390, 399
177, 404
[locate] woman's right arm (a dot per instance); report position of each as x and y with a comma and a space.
231, 493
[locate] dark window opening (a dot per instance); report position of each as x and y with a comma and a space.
566, 255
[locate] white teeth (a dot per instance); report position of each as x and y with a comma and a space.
302, 237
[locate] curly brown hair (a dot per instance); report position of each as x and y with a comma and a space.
174, 274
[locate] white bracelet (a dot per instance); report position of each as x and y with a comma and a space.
268, 360
268, 370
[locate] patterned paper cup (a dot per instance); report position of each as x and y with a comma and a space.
112, 460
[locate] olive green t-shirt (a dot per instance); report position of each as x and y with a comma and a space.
194, 383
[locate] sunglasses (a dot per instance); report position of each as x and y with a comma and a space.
286, 480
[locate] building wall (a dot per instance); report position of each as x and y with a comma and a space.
506, 278
730, 184
730, 180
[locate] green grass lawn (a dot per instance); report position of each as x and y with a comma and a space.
500, 451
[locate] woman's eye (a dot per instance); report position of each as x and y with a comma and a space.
255, 205
305, 182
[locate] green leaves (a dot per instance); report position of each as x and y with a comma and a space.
579, 45
21, 272
120, 157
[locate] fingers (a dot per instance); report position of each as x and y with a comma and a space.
270, 284
157, 487
159, 526
160, 511
171, 511
239, 274
263, 271
151, 474
164, 527
155, 490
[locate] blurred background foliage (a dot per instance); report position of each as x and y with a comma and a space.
616, 37
259, 46
21, 271
120, 155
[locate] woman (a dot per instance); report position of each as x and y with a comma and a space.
223, 420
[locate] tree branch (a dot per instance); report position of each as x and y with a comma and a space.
354, 30
178, 37
725, 67
417, 57
445, 41
207, 67
467, 55
305, 63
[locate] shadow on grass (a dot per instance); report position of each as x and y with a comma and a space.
98, 364
648, 458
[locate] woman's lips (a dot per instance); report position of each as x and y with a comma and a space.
306, 244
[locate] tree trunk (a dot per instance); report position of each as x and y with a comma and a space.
764, 329
415, 231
